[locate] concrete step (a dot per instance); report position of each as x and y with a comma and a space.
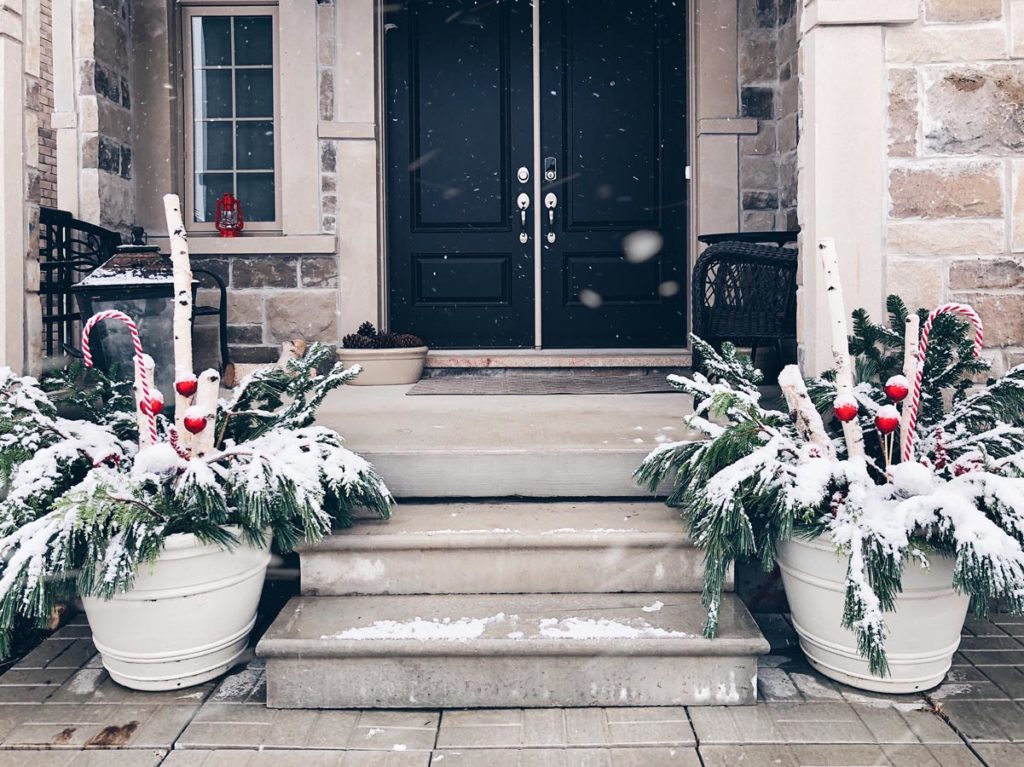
509, 548
550, 446
509, 651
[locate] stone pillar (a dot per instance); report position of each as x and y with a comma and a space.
12, 185
842, 157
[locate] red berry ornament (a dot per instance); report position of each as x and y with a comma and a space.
154, 405
186, 387
897, 388
195, 423
887, 419
845, 407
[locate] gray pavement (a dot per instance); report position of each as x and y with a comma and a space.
58, 708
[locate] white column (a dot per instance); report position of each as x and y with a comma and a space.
12, 186
842, 158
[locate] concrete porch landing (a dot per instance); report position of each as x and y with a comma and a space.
569, 446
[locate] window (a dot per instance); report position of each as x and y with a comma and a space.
231, 113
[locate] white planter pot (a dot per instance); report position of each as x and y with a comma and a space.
187, 619
385, 367
924, 630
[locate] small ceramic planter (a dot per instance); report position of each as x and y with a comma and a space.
385, 367
187, 619
924, 630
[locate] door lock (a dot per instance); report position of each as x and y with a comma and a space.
550, 169
523, 174
551, 202
523, 203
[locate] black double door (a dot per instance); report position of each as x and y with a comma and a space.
474, 241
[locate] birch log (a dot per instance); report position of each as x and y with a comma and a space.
141, 417
182, 307
206, 399
840, 341
910, 340
806, 416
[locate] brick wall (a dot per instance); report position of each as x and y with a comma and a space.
769, 90
956, 178
271, 299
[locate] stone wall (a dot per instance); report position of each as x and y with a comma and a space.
41, 144
956, 178
271, 299
327, 45
769, 92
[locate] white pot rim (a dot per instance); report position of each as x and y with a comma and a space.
181, 541
406, 351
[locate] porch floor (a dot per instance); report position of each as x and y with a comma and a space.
60, 709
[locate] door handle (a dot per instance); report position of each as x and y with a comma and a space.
523, 203
551, 202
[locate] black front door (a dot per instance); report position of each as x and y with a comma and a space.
461, 166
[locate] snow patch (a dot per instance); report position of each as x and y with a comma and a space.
460, 630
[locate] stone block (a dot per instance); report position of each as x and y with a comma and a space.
126, 162
256, 355
245, 307
767, 200
948, 189
920, 283
757, 60
219, 266
986, 274
1017, 29
760, 221
788, 133
310, 314
328, 157
974, 110
327, 94
108, 83
759, 173
904, 119
1003, 314
109, 155
1017, 222
758, 102
946, 238
763, 142
789, 97
963, 10
758, 14
245, 334
265, 272
934, 44
319, 272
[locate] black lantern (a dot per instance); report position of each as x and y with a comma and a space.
138, 281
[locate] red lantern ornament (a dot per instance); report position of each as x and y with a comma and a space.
897, 388
887, 419
186, 387
228, 217
195, 419
154, 405
845, 407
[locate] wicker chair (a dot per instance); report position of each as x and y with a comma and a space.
745, 292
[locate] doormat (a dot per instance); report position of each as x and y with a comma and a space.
524, 382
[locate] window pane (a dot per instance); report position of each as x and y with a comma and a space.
254, 42
209, 186
211, 41
256, 191
213, 146
255, 142
254, 92
212, 96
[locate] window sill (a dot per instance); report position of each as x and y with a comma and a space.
244, 245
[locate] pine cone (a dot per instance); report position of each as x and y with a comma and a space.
407, 341
356, 341
367, 330
384, 341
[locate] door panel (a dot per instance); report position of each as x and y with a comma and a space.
613, 115
459, 118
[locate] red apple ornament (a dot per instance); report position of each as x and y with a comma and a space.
887, 419
195, 419
897, 388
154, 405
186, 387
845, 407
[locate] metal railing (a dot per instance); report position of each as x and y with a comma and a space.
69, 250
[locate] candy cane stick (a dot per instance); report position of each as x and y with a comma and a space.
142, 392
915, 394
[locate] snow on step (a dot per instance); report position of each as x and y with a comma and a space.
509, 548
509, 651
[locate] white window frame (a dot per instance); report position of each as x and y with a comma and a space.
188, 126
